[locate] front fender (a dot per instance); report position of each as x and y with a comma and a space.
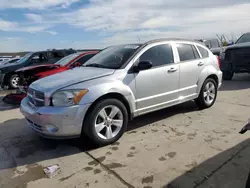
100, 87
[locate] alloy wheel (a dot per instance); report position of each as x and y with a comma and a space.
209, 93
108, 122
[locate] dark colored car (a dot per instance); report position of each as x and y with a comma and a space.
8, 76
236, 58
32, 73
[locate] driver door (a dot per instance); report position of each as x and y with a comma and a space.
158, 86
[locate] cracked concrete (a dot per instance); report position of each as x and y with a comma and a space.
176, 147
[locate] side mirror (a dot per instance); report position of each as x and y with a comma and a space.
143, 65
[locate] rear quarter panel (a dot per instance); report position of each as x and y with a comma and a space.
211, 68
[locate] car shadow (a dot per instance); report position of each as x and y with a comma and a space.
228, 169
153, 117
21, 146
239, 82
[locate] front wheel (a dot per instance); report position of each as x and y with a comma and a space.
14, 81
106, 122
208, 94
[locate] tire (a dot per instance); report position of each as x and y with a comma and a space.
96, 116
14, 81
227, 75
202, 101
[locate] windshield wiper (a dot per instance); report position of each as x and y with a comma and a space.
95, 65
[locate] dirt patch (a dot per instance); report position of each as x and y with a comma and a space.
116, 144
149, 179
177, 133
132, 148
171, 154
154, 130
115, 165
97, 171
114, 148
162, 159
108, 153
130, 155
67, 177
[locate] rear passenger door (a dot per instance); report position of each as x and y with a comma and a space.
191, 66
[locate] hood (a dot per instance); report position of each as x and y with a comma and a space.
69, 77
9, 66
241, 45
36, 66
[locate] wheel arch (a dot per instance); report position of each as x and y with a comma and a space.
113, 95
7, 77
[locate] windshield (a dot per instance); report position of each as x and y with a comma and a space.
24, 58
244, 38
112, 57
64, 61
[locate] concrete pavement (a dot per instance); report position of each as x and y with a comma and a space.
176, 147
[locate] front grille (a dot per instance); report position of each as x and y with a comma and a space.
36, 98
242, 54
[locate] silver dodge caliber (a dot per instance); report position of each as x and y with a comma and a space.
118, 84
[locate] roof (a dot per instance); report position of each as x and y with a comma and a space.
169, 39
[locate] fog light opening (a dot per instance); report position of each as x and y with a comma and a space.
51, 128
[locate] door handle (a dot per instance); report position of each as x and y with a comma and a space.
173, 69
200, 64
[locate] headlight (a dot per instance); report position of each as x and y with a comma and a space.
68, 97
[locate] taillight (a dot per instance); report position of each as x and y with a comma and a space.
218, 59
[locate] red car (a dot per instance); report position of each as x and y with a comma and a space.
33, 73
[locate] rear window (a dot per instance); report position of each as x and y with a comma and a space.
204, 53
186, 52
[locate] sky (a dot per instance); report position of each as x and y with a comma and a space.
30, 25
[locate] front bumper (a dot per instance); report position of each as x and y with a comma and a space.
55, 122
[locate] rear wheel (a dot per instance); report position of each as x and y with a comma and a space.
208, 94
228, 75
106, 122
14, 81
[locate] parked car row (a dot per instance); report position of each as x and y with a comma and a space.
97, 97
10, 78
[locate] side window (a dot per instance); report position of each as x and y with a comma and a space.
203, 51
83, 59
186, 52
158, 55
